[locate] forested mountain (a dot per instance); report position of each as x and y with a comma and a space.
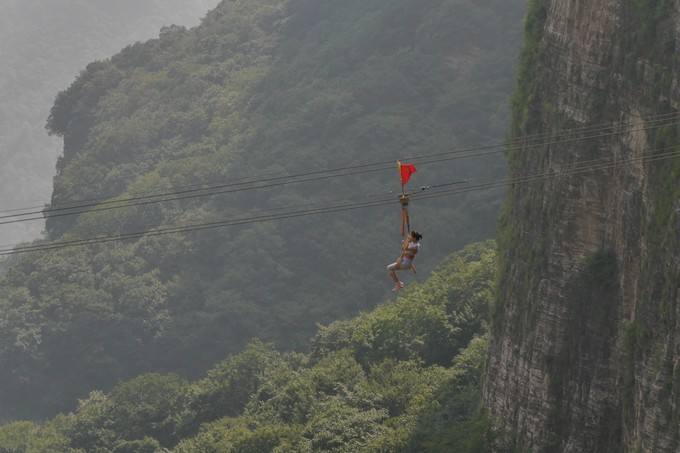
402, 378
43, 45
260, 87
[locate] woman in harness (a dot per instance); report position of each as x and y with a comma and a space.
410, 248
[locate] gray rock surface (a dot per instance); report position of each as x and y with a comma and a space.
585, 355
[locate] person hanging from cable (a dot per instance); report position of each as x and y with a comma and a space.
409, 250
411, 239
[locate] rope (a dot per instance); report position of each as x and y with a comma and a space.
581, 167
313, 176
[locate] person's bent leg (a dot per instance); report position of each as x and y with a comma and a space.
392, 268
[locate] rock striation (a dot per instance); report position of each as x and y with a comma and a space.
585, 355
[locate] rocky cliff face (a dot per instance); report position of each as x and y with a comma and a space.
585, 354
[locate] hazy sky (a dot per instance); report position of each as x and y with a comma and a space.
44, 44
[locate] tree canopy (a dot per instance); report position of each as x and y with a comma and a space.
404, 377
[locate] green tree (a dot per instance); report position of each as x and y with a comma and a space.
26, 437
149, 405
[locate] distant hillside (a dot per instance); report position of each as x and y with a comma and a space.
261, 87
43, 45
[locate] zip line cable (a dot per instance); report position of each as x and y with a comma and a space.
524, 146
601, 126
75, 203
578, 169
250, 180
146, 202
521, 140
260, 219
141, 203
190, 194
293, 179
524, 141
280, 208
583, 167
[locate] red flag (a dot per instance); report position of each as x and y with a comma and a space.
406, 171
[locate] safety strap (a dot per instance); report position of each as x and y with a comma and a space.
405, 218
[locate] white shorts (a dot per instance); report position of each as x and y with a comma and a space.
404, 266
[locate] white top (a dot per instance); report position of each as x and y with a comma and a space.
413, 247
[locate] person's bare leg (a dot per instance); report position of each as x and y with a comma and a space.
393, 268
398, 284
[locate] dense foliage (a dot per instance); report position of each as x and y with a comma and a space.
44, 45
404, 377
261, 87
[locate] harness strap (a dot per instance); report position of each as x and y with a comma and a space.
405, 218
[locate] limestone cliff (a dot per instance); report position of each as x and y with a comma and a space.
585, 355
